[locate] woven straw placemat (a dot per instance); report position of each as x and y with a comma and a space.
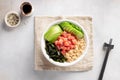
41, 22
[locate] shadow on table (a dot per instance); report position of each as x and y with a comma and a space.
5, 27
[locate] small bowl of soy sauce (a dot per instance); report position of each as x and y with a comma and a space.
26, 9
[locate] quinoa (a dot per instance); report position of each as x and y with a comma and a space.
73, 54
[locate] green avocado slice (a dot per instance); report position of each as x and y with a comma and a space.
53, 33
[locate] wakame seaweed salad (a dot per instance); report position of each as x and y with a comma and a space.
54, 53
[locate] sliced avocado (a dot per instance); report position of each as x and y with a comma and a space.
52, 34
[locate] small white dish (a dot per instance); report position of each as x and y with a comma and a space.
26, 9
12, 19
65, 64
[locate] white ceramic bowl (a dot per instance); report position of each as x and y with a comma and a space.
12, 15
65, 63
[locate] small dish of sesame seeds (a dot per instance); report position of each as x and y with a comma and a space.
12, 19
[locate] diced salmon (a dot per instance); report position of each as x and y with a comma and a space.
65, 42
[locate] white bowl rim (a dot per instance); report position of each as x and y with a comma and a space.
10, 12
65, 64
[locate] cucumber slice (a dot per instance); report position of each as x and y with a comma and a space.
74, 30
77, 27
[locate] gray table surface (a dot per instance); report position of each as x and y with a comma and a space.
17, 44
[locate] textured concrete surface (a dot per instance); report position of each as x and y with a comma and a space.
17, 44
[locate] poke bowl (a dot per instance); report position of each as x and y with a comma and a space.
64, 42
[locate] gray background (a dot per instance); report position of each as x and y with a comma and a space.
17, 44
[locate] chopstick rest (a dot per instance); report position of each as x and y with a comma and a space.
108, 48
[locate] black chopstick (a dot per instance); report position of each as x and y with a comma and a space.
109, 47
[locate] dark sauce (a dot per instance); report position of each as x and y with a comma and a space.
27, 8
